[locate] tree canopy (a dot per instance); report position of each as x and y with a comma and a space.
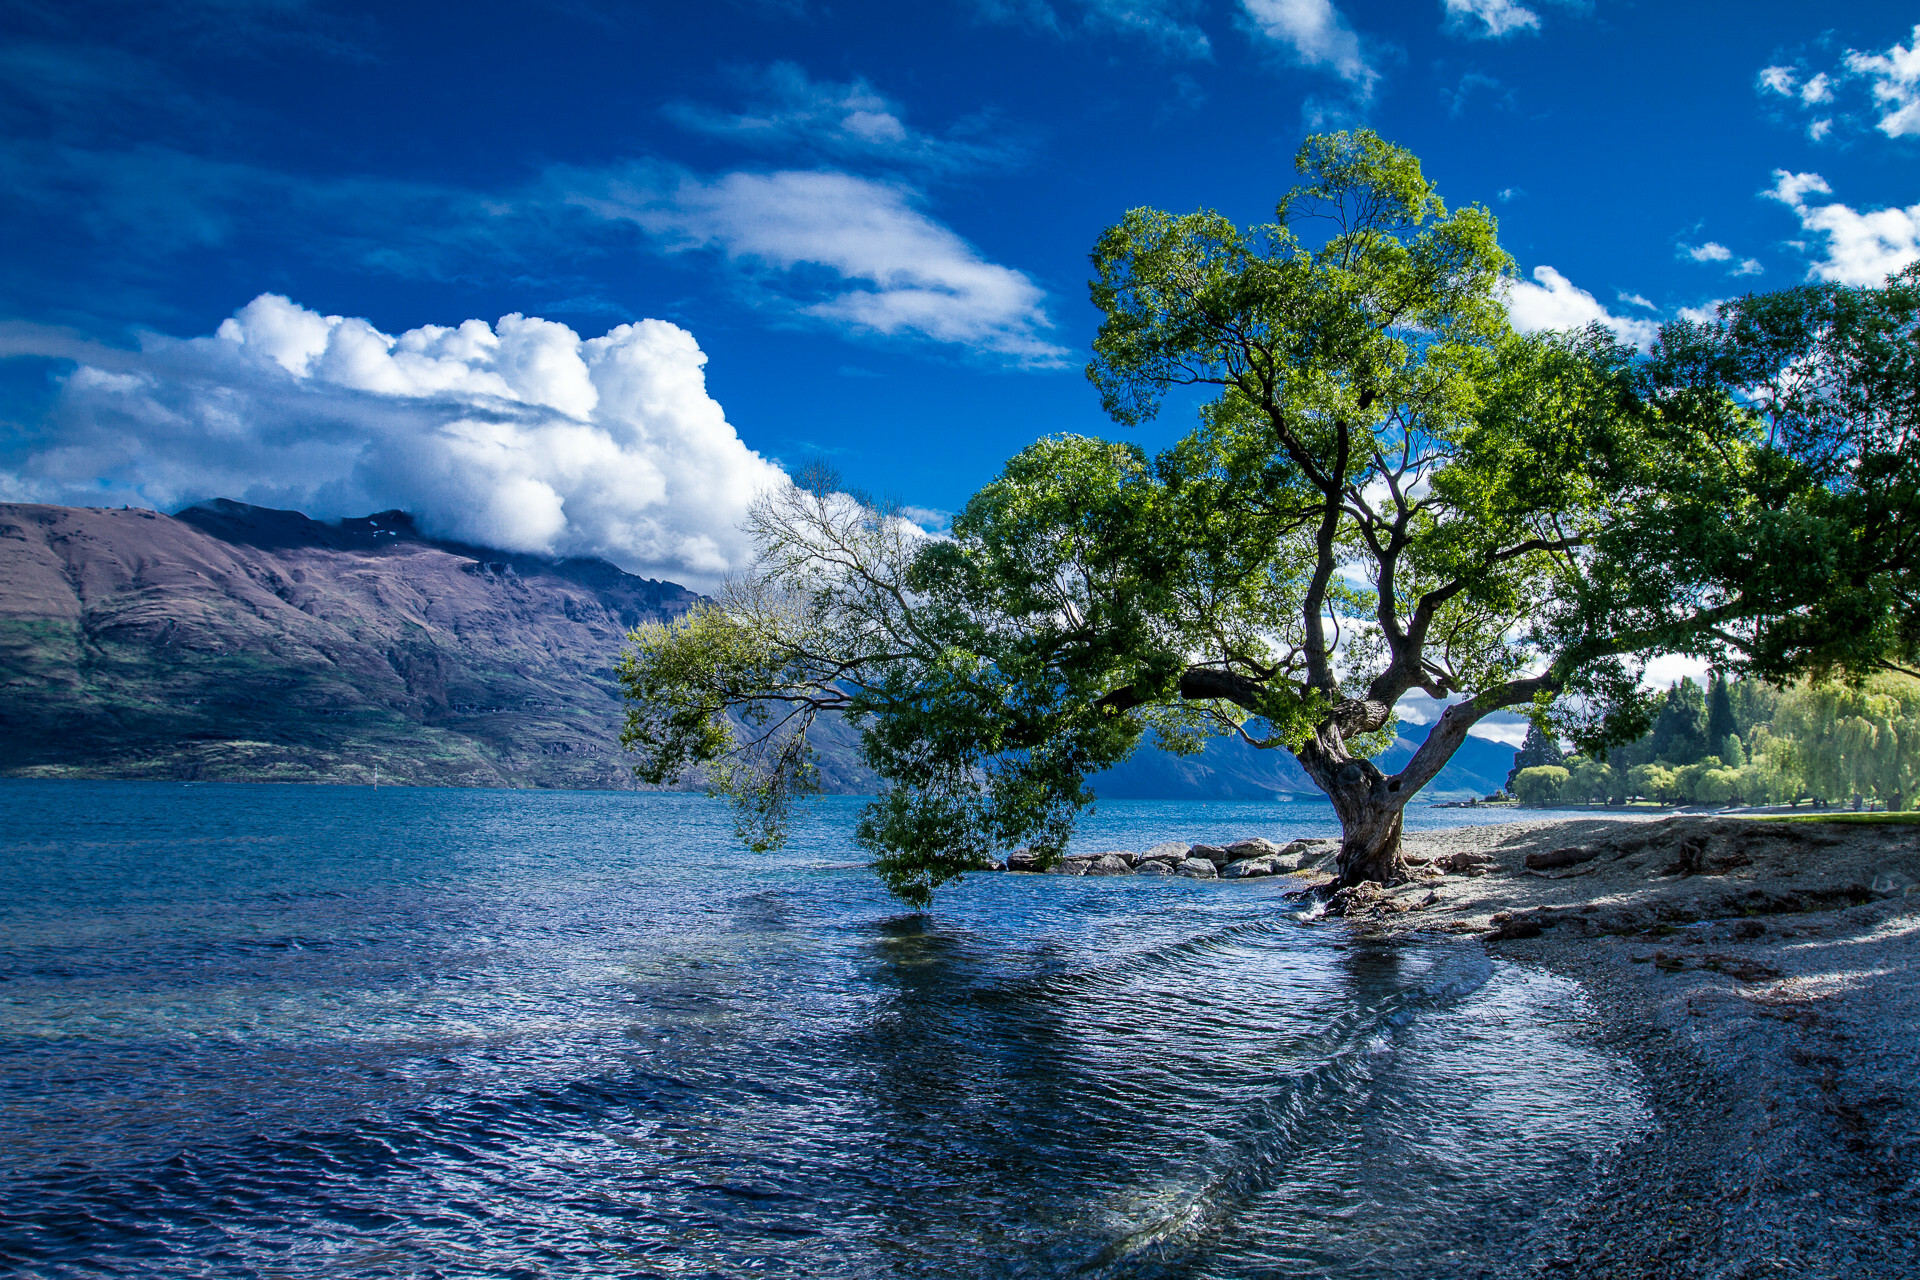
1388, 491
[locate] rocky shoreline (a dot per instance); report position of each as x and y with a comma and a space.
1759, 975
1241, 860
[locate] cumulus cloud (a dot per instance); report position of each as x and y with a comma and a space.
1551, 301
1318, 35
519, 435
1895, 79
1862, 248
1890, 77
791, 111
1489, 19
1708, 252
915, 277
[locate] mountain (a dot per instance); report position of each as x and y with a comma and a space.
233, 641
230, 641
1229, 769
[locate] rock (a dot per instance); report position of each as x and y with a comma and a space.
1197, 868
1894, 884
1302, 855
1245, 867
1212, 853
1548, 859
1365, 901
1169, 850
1154, 867
1023, 860
1069, 867
1241, 850
1110, 864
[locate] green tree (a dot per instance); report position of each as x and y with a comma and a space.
1538, 749
1388, 490
1721, 724
1655, 782
1680, 731
1587, 781
1831, 374
1541, 784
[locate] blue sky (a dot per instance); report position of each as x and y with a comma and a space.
246, 237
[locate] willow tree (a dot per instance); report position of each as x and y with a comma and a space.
1388, 491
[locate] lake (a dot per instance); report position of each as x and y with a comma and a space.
316, 1031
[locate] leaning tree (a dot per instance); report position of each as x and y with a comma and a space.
1388, 492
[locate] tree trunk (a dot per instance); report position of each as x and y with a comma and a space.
1369, 805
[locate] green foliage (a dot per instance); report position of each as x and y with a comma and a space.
1542, 784
1538, 749
1387, 490
1680, 732
1720, 720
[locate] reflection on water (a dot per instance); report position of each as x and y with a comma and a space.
305, 1031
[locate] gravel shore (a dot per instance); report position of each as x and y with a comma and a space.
1761, 977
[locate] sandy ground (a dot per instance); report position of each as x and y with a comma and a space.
1762, 977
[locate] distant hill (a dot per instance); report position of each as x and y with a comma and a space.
1229, 769
233, 641
230, 641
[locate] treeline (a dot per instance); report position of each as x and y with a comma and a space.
1747, 742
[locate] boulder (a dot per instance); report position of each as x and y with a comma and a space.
1197, 868
1241, 868
1170, 850
1155, 867
1023, 860
1069, 867
1110, 864
1211, 852
1241, 850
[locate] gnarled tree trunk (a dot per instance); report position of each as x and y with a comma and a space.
1369, 803
1370, 806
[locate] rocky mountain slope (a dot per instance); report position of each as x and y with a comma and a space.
238, 642
231, 641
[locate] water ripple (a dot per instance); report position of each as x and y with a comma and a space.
297, 1032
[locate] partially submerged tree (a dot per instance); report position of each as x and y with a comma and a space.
1389, 492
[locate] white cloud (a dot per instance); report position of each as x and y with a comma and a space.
1489, 18
1507, 733
1862, 248
1161, 21
1318, 35
1636, 300
518, 435
1749, 267
916, 277
1167, 23
1708, 252
1551, 301
792, 112
1895, 77
1891, 78
1705, 313
1667, 669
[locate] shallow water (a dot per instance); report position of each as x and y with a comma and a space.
285, 1031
